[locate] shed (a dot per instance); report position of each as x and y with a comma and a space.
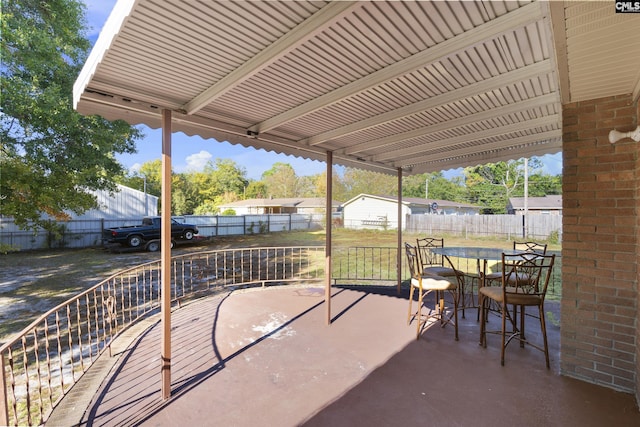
370, 211
300, 205
547, 205
125, 203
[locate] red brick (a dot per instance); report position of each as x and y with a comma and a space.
614, 371
601, 227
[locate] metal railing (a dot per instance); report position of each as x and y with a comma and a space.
365, 263
42, 363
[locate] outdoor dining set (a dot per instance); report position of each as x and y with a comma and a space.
519, 279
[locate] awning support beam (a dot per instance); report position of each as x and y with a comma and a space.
328, 224
165, 256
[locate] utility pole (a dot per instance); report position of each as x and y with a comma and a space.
426, 191
426, 188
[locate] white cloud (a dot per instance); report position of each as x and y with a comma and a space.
197, 161
135, 168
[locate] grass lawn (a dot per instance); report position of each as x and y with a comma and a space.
36, 281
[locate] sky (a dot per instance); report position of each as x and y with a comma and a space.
191, 153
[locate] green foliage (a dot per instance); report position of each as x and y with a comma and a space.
6, 248
229, 212
51, 156
222, 181
256, 190
281, 181
262, 228
541, 184
56, 235
219, 179
438, 187
206, 208
357, 181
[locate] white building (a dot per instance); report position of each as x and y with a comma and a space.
299, 205
369, 211
547, 205
125, 203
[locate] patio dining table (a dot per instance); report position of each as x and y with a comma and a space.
482, 256
489, 254
478, 253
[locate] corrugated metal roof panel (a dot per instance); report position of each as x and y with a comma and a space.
424, 86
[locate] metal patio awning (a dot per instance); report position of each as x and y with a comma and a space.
421, 86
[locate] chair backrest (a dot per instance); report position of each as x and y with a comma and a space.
527, 273
459, 274
539, 248
426, 257
412, 260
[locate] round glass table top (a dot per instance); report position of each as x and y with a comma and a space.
479, 253
472, 252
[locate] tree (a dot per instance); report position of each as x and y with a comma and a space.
256, 190
543, 184
226, 176
438, 187
51, 157
183, 195
148, 176
359, 181
492, 185
221, 179
281, 180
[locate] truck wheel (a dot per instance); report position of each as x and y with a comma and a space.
153, 246
188, 234
134, 241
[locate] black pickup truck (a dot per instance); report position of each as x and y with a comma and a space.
135, 235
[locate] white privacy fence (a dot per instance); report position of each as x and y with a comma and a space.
88, 232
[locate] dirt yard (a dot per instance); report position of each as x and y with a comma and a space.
33, 282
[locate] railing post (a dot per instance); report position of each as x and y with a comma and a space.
4, 404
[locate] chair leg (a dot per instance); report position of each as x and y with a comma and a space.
462, 297
481, 314
456, 297
419, 315
543, 326
504, 328
522, 320
410, 303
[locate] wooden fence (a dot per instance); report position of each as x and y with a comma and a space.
535, 227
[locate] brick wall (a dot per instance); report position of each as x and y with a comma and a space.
637, 122
600, 300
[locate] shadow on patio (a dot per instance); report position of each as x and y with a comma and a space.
267, 357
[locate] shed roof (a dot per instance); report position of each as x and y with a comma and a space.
547, 202
412, 201
302, 202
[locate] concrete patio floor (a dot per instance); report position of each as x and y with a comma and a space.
266, 357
